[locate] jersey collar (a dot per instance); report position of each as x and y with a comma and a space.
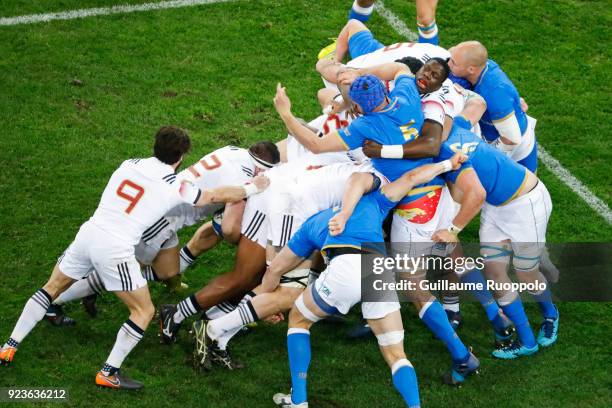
482, 74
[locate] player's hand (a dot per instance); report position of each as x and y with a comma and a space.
457, 159
337, 223
347, 77
524, 106
261, 182
444, 236
372, 149
282, 103
275, 318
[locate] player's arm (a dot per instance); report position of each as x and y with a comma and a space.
330, 142
231, 194
285, 261
386, 72
473, 197
423, 174
357, 185
473, 109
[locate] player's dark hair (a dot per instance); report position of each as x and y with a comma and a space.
445, 66
414, 64
266, 150
171, 143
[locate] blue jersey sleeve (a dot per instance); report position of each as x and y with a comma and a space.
384, 203
302, 243
405, 86
355, 134
454, 174
500, 103
462, 122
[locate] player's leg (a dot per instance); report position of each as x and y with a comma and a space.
497, 259
249, 266
33, 312
355, 39
259, 306
389, 332
204, 238
528, 243
426, 21
361, 10
131, 332
305, 312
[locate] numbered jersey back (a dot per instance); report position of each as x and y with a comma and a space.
228, 166
393, 52
137, 195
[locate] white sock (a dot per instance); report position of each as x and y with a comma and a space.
241, 316
366, 11
79, 290
186, 259
220, 310
226, 337
450, 303
187, 307
33, 312
128, 337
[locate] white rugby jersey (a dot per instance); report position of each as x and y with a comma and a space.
227, 166
319, 189
138, 193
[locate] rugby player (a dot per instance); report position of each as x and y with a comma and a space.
339, 287
139, 192
504, 123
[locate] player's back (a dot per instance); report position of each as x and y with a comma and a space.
393, 52
228, 165
138, 193
502, 98
500, 176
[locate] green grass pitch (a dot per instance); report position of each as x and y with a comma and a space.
213, 69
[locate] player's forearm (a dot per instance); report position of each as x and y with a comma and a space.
423, 174
285, 261
386, 72
470, 207
475, 106
357, 185
304, 135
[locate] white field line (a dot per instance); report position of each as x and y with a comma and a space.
103, 11
549, 161
398, 25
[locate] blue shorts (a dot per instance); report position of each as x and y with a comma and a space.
362, 43
531, 161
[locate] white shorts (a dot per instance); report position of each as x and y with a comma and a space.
340, 286
415, 239
147, 249
254, 220
112, 259
523, 220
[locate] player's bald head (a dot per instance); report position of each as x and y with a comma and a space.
472, 53
468, 59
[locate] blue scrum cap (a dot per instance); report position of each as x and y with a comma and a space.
368, 92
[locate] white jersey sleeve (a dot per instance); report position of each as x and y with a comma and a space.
433, 105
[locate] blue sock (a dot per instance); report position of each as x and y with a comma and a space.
544, 299
405, 381
360, 13
428, 34
484, 296
516, 313
298, 346
435, 318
